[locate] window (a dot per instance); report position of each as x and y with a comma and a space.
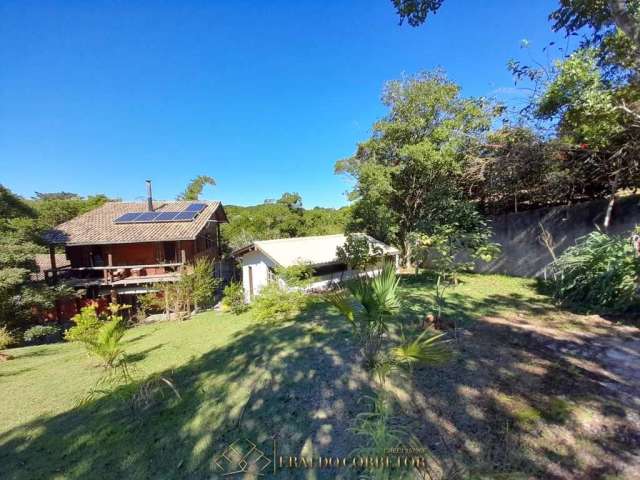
329, 269
271, 274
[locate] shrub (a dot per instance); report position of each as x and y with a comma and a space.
600, 271
369, 304
6, 338
106, 344
233, 298
147, 303
41, 334
86, 325
276, 303
196, 288
203, 283
358, 252
100, 334
297, 275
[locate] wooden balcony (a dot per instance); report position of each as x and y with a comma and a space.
118, 275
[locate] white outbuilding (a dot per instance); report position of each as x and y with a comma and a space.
260, 260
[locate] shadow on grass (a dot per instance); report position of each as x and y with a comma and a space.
418, 298
139, 356
300, 382
509, 383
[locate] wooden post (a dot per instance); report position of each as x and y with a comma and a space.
218, 239
110, 263
54, 269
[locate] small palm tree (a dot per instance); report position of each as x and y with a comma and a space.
374, 301
369, 304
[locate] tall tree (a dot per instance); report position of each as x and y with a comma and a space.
407, 174
604, 20
195, 187
611, 26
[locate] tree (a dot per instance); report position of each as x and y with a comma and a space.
611, 26
358, 252
16, 258
196, 287
598, 114
203, 283
416, 11
292, 200
195, 187
408, 173
12, 206
55, 208
20, 225
283, 218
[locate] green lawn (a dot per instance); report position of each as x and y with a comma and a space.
301, 382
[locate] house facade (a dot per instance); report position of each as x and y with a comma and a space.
260, 260
126, 249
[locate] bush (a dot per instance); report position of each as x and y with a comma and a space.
100, 334
6, 338
297, 275
41, 334
275, 303
106, 344
233, 298
86, 327
147, 303
203, 284
196, 288
600, 271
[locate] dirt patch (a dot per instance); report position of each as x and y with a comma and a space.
548, 398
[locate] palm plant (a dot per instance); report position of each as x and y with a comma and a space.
368, 304
370, 307
106, 344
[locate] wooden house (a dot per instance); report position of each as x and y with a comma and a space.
127, 249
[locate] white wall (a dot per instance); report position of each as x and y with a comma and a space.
259, 264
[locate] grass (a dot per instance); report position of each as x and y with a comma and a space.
505, 404
32, 386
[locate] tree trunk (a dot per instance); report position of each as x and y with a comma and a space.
406, 254
625, 21
612, 200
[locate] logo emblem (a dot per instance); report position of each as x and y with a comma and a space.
242, 456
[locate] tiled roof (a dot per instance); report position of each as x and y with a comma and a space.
98, 227
43, 262
316, 250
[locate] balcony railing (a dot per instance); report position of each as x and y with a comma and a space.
118, 274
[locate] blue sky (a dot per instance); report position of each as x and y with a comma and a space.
95, 97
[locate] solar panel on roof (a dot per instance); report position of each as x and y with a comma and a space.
166, 216
146, 217
185, 216
153, 217
196, 207
127, 217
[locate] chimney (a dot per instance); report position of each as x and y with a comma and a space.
149, 197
